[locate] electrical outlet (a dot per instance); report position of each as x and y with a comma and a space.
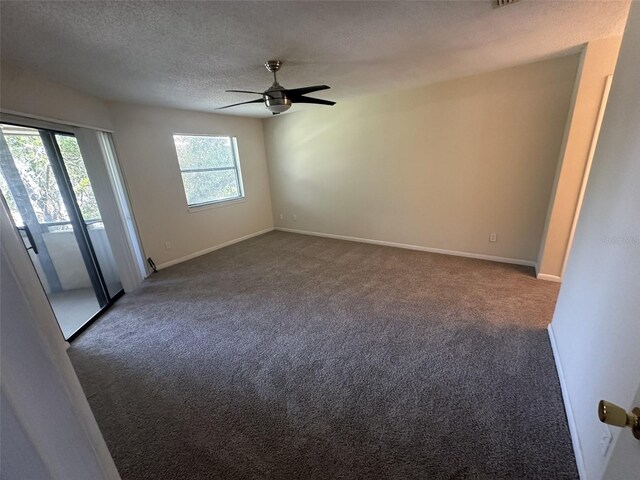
282, 216
605, 440
493, 237
167, 245
295, 217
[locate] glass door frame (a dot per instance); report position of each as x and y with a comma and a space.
75, 216
79, 226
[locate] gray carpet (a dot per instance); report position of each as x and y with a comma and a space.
295, 357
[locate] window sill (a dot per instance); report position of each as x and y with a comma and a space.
218, 204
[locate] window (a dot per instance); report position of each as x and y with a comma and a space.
209, 167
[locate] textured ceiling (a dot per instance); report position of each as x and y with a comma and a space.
185, 54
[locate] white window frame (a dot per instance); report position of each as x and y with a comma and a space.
236, 157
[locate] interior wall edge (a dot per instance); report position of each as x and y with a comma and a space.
587, 170
548, 278
212, 249
477, 256
566, 399
561, 153
597, 64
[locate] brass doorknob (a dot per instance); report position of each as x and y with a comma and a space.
612, 414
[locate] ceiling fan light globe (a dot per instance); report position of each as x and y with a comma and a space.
278, 108
278, 105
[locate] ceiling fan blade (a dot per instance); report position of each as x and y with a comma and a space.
317, 101
296, 92
244, 91
257, 100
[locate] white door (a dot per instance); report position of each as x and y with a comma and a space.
624, 462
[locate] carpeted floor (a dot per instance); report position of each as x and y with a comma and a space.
295, 357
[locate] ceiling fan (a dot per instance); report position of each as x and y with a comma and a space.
279, 99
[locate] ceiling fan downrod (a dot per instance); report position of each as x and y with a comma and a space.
275, 98
273, 66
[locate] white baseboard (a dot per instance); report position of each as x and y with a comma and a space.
211, 249
548, 278
479, 256
575, 440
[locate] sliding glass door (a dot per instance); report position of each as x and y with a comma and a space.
45, 184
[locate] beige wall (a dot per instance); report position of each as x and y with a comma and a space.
596, 324
441, 166
27, 93
597, 62
144, 143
